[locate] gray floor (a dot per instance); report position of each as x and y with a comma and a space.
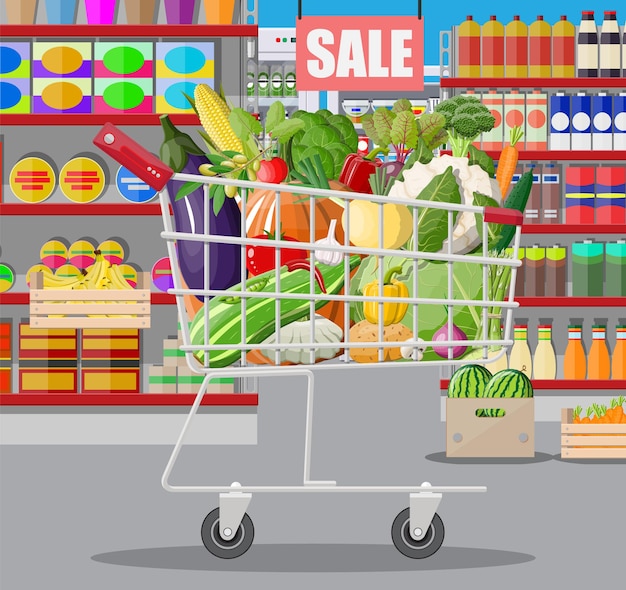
97, 518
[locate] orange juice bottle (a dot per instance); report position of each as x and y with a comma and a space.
618, 365
575, 361
599, 362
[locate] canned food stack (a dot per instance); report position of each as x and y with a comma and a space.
595, 195
110, 361
599, 269
47, 360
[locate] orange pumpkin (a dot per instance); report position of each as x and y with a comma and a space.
295, 209
295, 219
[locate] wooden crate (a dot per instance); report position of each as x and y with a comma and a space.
591, 441
45, 303
511, 435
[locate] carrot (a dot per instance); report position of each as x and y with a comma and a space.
508, 161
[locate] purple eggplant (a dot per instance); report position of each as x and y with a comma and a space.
182, 155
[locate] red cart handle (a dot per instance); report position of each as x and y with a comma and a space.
131, 155
503, 215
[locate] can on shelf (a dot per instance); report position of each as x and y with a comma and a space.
579, 194
610, 195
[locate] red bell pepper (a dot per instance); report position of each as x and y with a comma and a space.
357, 169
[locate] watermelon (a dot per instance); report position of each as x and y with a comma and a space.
469, 381
509, 383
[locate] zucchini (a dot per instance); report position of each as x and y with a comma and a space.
225, 311
517, 199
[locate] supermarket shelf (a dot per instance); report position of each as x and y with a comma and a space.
24, 299
572, 301
573, 229
94, 119
128, 31
64, 209
567, 384
563, 155
139, 399
532, 82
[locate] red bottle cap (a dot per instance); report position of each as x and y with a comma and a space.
563, 17
493, 17
469, 17
540, 17
516, 17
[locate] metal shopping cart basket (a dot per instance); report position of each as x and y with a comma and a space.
227, 531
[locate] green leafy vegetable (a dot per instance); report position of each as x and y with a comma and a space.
494, 229
244, 124
479, 157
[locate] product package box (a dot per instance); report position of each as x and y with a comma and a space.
5, 355
62, 77
179, 68
15, 71
515, 116
579, 194
190, 382
536, 121
123, 77
611, 195
162, 379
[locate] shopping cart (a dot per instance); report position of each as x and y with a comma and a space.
227, 531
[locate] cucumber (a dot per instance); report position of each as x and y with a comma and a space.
517, 199
225, 311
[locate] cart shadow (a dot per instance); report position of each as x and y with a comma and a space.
312, 558
442, 458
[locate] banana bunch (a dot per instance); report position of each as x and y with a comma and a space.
101, 275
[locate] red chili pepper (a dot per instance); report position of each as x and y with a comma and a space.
303, 264
357, 169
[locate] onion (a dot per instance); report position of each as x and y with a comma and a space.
441, 335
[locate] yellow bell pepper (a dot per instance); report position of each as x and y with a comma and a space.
392, 312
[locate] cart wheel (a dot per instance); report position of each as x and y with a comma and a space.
408, 546
220, 547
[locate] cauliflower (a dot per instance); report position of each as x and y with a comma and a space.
470, 179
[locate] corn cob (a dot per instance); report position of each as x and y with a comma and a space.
213, 113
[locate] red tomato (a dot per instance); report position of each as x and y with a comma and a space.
274, 170
260, 259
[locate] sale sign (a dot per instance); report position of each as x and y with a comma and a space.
361, 53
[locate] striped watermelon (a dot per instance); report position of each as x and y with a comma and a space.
509, 383
469, 381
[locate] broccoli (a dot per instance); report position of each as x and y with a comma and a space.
466, 118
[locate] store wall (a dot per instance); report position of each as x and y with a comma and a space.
437, 16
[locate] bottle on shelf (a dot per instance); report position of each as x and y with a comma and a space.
556, 268
535, 272
563, 49
610, 46
516, 41
618, 362
521, 357
599, 363
544, 359
587, 46
575, 360
615, 284
492, 49
469, 49
540, 51
550, 194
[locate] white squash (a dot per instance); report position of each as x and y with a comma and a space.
326, 332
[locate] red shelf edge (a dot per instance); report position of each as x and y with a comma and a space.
95, 119
563, 228
21, 298
571, 301
532, 82
565, 384
124, 30
139, 399
562, 155
147, 209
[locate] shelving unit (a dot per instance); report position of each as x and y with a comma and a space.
25, 132
532, 82
564, 384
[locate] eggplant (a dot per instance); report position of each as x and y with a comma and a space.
183, 155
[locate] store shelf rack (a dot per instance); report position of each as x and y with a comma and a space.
533, 83
139, 399
565, 384
93, 119
127, 31
18, 298
65, 209
563, 155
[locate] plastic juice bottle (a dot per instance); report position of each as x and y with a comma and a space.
575, 361
521, 357
563, 49
618, 363
492, 49
587, 46
544, 360
540, 54
516, 41
598, 361
469, 49
610, 46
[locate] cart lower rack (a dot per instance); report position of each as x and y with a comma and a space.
237, 318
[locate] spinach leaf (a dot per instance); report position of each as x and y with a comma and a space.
483, 160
